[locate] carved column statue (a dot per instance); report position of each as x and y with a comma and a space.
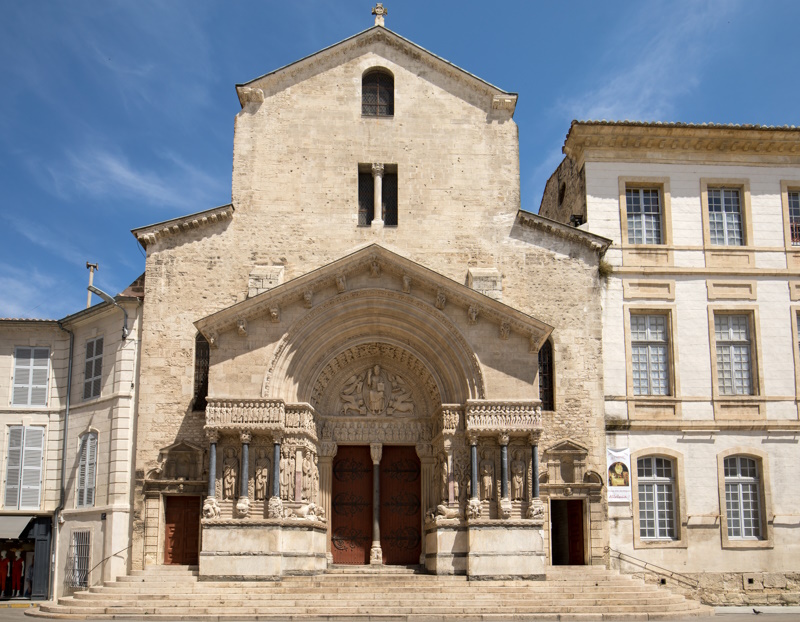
451, 487
535, 507
243, 505
474, 503
505, 504
261, 476
375, 552
275, 506
210, 505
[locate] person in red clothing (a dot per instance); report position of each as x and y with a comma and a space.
4, 564
17, 566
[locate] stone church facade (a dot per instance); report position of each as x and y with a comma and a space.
342, 366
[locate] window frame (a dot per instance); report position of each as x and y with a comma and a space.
30, 384
376, 71
680, 540
197, 382
794, 311
647, 254
738, 406
766, 536
551, 375
725, 254
649, 406
788, 186
24, 447
84, 463
94, 382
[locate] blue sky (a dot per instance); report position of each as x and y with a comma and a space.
116, 115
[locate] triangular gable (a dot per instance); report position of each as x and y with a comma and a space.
567, 446
423, 283
272, 81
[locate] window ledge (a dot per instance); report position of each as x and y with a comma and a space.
730, 543
660, 544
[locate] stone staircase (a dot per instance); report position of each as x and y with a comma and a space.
387, 595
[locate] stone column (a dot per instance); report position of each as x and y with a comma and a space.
447, 445
375, 552
327, 452
377, 177
505, 502
210, 505
474, 507
275, 505
243, 505
535, 506
426, 460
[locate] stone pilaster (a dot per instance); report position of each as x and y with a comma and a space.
375, 552
243, 505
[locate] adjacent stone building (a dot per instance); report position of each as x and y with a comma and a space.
700, 345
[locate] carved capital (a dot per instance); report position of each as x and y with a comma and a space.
505, 330
377, 170
533, 437
245, 436
502, 439
424, 450
472, 437
212, 436
376, 452
328, 449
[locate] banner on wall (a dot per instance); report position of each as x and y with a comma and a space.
619, 475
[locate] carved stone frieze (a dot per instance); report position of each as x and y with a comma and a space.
341, 283
505, 330
253, 413
503, 417
441, 299
449, 420
308, 298
472, 315
369, 430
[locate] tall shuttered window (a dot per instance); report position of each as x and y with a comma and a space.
31, 376
546, 376
87, 468
24, 467
93, 374
201, 364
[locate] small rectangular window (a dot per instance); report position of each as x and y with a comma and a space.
725, 217
734, 369
650, 354
31, 376
93, 369
644, 215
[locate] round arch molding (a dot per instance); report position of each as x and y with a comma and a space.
422, 338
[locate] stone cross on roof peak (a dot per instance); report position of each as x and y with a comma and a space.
379, 11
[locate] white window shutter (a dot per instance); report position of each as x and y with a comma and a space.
13, 466
81, 492
91, 469
32, 456
22, 375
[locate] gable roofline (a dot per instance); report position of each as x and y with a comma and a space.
357, 262
503, 99
150, 233
595, 242
632, 140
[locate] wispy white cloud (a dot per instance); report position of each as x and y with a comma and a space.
658, 57
45, 237
30, 294
101, 173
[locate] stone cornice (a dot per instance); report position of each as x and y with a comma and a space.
593, 241
251, 91
424, 285
151, 233
627, 140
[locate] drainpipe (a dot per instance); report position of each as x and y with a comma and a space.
57, 513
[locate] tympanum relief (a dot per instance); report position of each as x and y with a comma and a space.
376, 392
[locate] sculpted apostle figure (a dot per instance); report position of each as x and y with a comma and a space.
308, 466
376, 391
441, 466
262, 475
230, 472
285, 473
517, 476
487, 476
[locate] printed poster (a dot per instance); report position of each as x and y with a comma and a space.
619, 475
